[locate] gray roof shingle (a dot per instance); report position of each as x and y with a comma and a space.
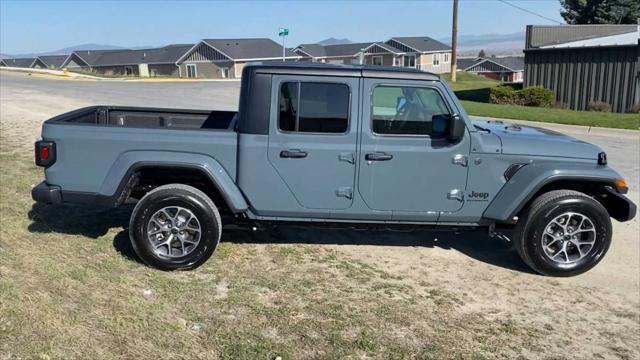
465, 63
165, 55
422, 43
53, 60
20, 62
243, 49
515, 63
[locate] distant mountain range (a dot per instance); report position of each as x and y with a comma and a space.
468, 45
71, 49
497, 44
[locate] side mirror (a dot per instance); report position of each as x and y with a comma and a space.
456, 128
449, 126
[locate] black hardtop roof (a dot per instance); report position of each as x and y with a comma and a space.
322, 69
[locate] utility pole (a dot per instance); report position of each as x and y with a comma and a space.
454, 41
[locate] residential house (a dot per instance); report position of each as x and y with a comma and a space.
507, 68
140, 62
421, 52
583, 64
18, 63
225, 58
49, 61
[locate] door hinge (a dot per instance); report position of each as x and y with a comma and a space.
347, 157
455, 194
345, 192
460, 159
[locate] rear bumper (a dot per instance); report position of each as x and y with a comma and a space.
46, 193
618, 205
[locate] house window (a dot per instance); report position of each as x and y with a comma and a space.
376, 60
192, 71
446, 58
417, 107
409, 61
313, 107
128, 71
397, 61
436, 59
224, 72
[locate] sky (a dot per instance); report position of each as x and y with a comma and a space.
43, 26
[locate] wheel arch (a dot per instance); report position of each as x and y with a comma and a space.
536, 179
131, 168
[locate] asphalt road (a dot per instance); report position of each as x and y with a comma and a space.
622, 146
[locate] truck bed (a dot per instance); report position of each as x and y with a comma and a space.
139, 117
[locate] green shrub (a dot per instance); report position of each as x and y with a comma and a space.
599, 106
531, 96
504, 95
536, 96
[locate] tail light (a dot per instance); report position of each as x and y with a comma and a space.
45, 153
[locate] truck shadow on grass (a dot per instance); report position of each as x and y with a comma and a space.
94, 223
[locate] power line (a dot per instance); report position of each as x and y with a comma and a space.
530, 12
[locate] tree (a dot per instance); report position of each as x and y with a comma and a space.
600, 11
481, 54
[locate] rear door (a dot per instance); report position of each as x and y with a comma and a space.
405, 168
312, 140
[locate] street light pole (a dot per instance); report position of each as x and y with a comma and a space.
283, 32
454, 41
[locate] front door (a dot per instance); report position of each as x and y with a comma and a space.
191, 71
312, 139
404, 166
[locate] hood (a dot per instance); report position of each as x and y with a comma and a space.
529, 140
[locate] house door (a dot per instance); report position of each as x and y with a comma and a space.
312, 139
191, 71
405, 165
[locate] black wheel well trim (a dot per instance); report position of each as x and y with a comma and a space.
119, 196
604, 180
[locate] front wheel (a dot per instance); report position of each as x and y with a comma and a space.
563, 233
175, 227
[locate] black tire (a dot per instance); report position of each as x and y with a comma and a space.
186, 197
528, 233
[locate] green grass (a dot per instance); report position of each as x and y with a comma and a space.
473, 90
552, 115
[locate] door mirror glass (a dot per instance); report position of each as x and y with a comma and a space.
456, 128
400, 101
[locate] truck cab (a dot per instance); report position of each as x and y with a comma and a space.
336, 144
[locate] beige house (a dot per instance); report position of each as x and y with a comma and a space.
225, 58
422, 52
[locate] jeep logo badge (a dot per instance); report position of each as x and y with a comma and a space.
478, 196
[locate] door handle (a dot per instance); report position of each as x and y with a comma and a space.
293, 154
378, 156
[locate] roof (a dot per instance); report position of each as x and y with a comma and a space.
544, 36
515, 63
510, 63
422, 43
386, 47
249, 49
315, 68
20, 62
351, 49
630, 38
465, 63
313, 50
53, 60
165, 55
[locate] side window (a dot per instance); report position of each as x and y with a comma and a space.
408, 111
313, 107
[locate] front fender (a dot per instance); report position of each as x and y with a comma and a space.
129, 162
517, 192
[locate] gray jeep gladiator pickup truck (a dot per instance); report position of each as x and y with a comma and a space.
350, 145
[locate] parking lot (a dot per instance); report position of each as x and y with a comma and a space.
70, 286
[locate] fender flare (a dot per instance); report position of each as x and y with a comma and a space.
521, 188
122, 170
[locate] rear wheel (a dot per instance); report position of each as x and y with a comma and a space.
175, 227
563, 233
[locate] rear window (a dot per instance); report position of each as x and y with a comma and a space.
309, 107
